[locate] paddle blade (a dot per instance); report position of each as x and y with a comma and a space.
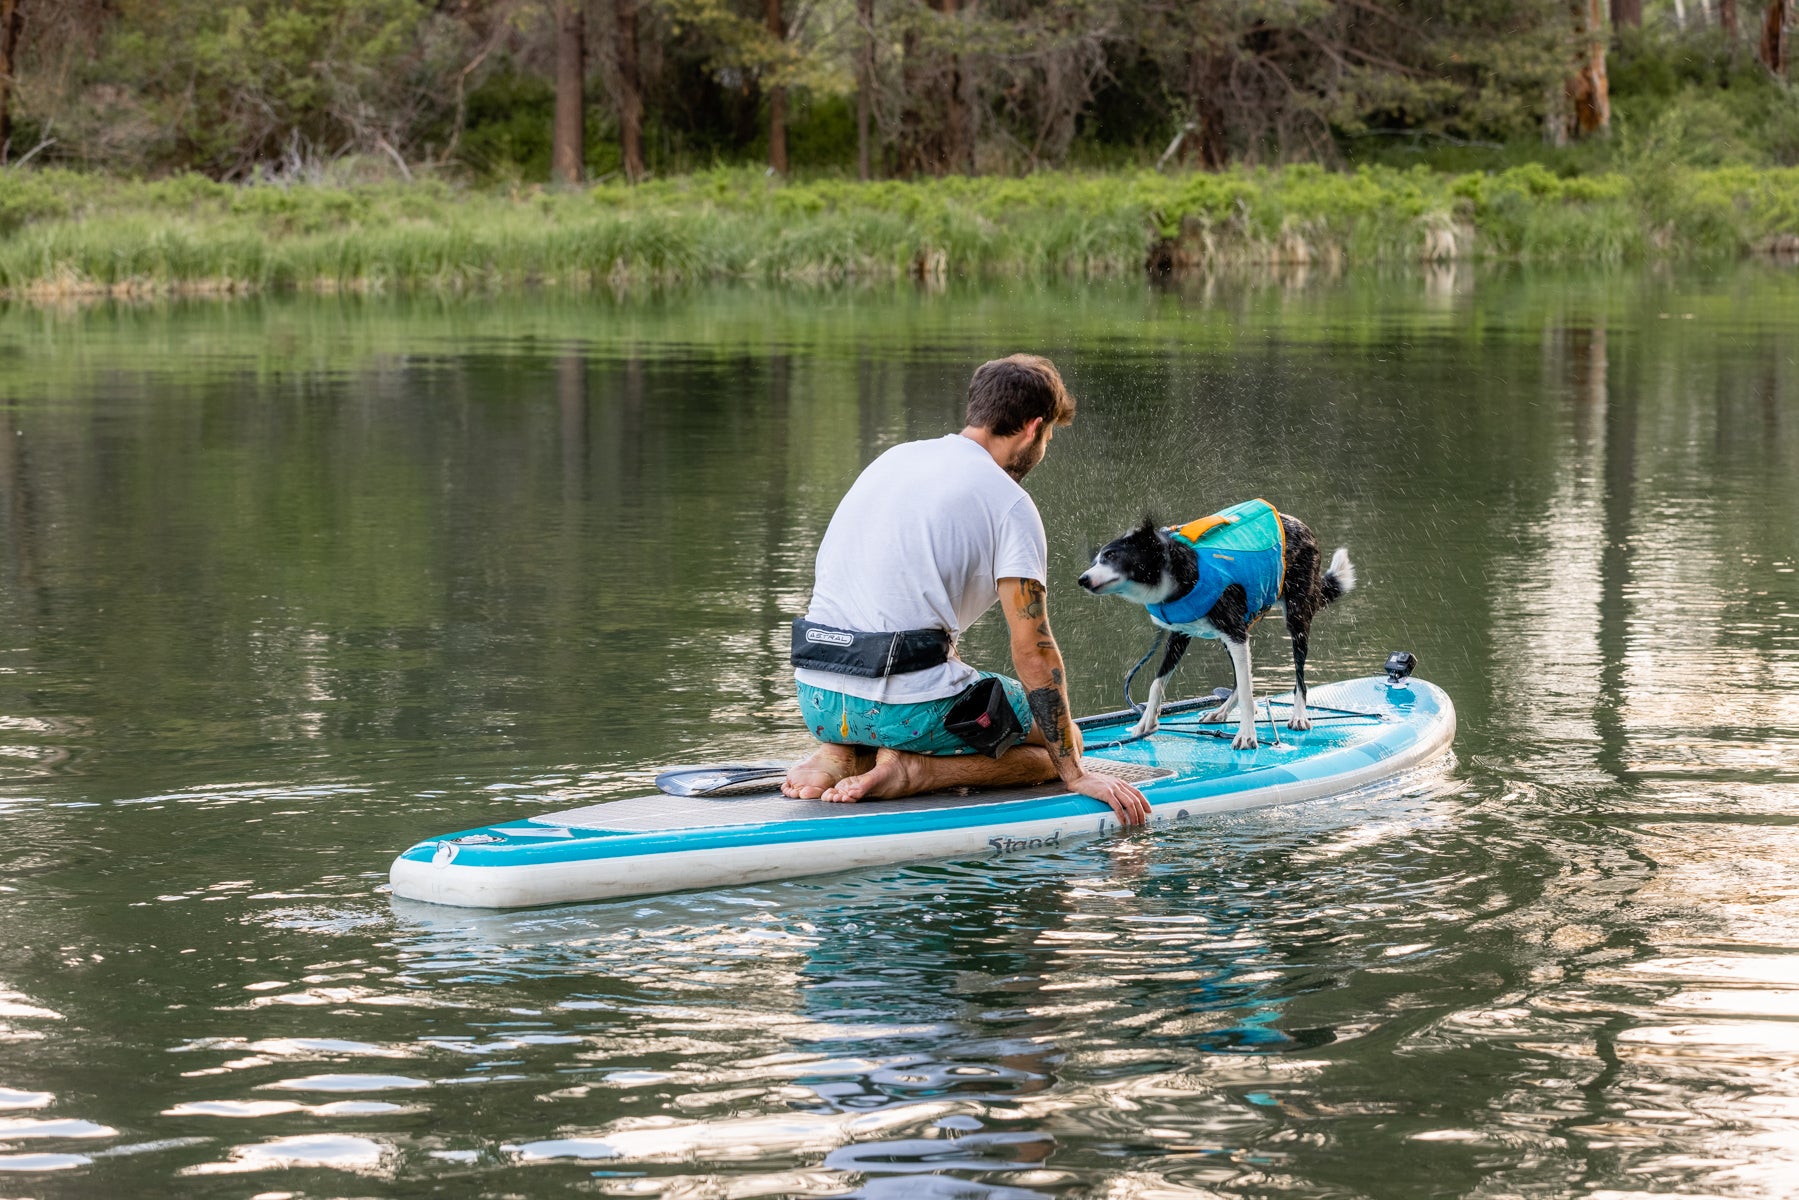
722, 779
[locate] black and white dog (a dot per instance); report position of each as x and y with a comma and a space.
1156, 568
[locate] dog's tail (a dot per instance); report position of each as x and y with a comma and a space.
1339, 579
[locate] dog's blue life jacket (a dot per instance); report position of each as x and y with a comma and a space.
1245, 544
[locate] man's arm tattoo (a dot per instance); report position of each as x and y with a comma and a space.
1049, 706
1050, 711
1030, 598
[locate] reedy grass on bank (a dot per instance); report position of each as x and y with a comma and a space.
66, 233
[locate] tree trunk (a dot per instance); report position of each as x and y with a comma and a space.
568, 136
630, 92
1207, 77
1727, 19
908, 152
1775, 35
1589, 92
12, 23
1627, 12
865, 82
958, 140
777, 100
968, 111
930, 123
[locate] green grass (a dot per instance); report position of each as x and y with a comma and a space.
70, 233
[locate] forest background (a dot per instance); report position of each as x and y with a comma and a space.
1167, 131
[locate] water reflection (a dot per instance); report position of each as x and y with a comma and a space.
276, 612
1621, 623
361, 1155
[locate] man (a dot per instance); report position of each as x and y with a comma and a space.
928, 537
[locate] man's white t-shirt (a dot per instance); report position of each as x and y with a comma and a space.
919, 542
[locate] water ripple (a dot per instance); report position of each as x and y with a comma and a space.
336, 1151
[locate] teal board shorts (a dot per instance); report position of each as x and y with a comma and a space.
917, 728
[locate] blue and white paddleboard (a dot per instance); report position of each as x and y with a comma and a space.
1365, 732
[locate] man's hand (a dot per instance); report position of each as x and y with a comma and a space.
1039, 664
1123, 799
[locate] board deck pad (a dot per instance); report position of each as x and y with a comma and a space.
766, 804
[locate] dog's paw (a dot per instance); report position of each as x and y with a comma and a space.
1216, 716
1299, 721
1145, 726
1245, 740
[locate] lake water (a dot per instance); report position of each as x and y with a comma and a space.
288, 585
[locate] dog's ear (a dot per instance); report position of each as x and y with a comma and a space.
1149, 524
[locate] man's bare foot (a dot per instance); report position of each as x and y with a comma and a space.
812, 778
807, 783
889, 778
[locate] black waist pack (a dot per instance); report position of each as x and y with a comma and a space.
983, 718
870, 655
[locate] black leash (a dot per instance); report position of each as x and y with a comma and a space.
1154, 645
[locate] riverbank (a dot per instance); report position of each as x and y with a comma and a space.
67, 234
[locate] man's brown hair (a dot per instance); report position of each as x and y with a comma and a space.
1007, 393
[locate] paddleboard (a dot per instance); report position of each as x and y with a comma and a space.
740, 829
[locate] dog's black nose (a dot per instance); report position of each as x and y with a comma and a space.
1085, 582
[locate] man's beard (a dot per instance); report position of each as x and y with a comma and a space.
1028, 456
